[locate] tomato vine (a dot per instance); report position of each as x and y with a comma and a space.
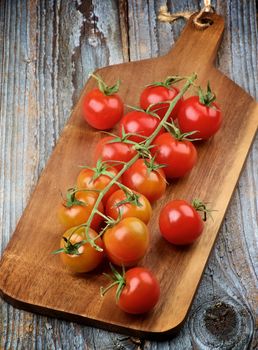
143, 150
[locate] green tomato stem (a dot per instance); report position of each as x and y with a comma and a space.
171, 107
100, 197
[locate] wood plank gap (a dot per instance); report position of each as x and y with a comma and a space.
124, 28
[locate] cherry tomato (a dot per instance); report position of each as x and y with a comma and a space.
89, 258
77, 214
115, 151
154, 94
180, 223
180, 156
142, 211
126, 242
193, 115
102, 111
140, 123
150, 183
85, 180
141, 291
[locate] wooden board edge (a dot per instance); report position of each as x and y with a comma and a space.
23, 305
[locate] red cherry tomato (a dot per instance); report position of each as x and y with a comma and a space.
155, 94
78, 214
141, 291
115, 151
127, 209
102, 111
89, 258
85, 180
180, 223
193, 115
151, 183
126, 242
139, 123
180, 156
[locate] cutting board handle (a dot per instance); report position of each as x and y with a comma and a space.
197, 47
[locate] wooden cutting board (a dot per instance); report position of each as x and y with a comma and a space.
33, 279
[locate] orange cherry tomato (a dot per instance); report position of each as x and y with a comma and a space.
126, 242
86, 180
151, 183
77, 214
89, 258
120, 202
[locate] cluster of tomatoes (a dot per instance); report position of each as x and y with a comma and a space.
106, 214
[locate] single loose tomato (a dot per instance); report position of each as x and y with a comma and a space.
126, 242
138, 290
128, 205
145, 177
180, 156
141, 291
200, 113
77, 209
180, 223
102, 107
82, 259
159, 92
114, 152
98, 179
139, 123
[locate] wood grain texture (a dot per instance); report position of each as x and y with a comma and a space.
25, 141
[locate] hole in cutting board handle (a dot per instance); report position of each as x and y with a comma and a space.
205, 20
201, 44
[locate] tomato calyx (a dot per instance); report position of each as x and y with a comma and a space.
71, 200
117, 279
208, 97
69, 247
143, 150
177, 134
201, 207
131, 197
152, 166
72, 249
168, 82
100, 169
109, 221
104, 88
124, 137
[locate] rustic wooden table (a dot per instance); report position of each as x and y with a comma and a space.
47, 50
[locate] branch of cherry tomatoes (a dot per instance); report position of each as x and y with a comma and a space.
107, 213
